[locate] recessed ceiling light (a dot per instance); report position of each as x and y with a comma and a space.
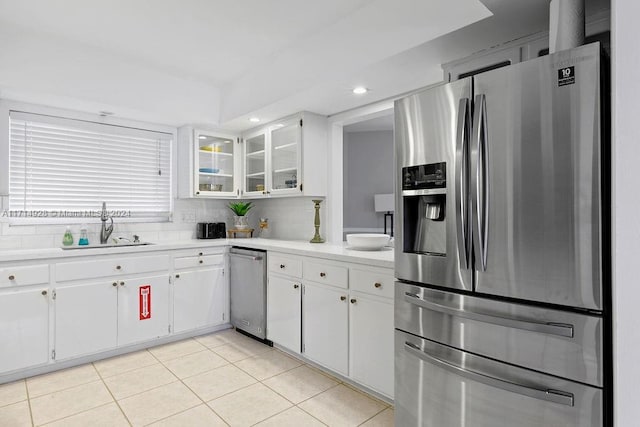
254, 119
360, 90
202, 137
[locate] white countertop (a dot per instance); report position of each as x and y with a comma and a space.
339, 252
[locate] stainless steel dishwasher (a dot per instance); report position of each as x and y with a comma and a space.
248, 283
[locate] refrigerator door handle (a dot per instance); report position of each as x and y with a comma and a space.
461, 182
480, 181
548, 395
558, 329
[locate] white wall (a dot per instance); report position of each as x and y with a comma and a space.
368, 170
626, 210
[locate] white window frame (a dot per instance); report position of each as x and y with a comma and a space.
5, 144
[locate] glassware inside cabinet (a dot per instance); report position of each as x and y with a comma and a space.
215, 163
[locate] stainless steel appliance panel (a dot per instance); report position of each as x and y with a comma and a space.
566, 344
428, 129
536, 180
437, 386
248, 289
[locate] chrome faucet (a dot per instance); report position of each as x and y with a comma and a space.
105, 231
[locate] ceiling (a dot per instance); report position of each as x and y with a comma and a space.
215, 63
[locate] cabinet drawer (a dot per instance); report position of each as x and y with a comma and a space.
25, 275
372, 281
79, 270
283, 264
197, 261
331, 274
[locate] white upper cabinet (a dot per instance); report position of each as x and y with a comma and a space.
287, 157
208, 164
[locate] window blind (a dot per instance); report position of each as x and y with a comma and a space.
65, 168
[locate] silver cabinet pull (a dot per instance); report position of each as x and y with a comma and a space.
44, 292
353, 300
548, 395
118, 267
559, 329
121, 283
177, 276
12, 277
114, 284
377, 284
462, 182
342, 298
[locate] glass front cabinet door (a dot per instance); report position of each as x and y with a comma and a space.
285, 157
255, 163
215, 164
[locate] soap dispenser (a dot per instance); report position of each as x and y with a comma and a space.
67, 239
84, 239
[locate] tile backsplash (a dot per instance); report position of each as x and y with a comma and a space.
289, 218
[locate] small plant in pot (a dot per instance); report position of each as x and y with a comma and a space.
240, 210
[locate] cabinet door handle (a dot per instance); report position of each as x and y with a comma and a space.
342, 298
118, 267
353, 300
114, 284
44, 292
281, 265
200, 254
197, 192
121, 283
177, 276
12, 277
296, 286
200, 261
377, 285
323, 274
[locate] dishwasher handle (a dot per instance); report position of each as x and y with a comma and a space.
250, 257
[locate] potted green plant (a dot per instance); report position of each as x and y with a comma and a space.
240, 210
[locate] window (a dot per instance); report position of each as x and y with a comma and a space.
65, 168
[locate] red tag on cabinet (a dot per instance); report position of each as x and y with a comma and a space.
144, 295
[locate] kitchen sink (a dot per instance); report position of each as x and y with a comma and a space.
108, 245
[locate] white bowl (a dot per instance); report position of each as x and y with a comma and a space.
367, 242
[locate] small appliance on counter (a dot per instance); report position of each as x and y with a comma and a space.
211, 230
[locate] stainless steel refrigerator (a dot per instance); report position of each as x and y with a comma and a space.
502, 299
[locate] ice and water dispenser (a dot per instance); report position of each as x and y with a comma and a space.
424, 195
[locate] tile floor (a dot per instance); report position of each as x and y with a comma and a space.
213, 380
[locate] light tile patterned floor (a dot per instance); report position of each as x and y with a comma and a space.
222, 379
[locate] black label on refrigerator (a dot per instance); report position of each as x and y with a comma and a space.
566, 76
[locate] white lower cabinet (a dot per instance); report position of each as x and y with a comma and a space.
371, 342
100, 316
86, 318
198, 299
143, 309
325, 314
24, 328
284, 313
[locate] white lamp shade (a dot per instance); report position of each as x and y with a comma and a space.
384, 202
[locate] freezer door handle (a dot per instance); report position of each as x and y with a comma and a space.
548, 395
559, 329
479, 181
249, 257
461, 182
